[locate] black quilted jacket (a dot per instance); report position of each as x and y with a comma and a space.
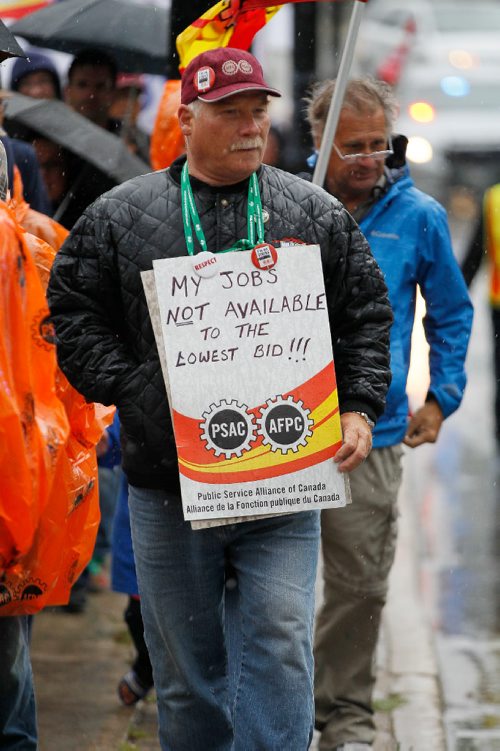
105, 342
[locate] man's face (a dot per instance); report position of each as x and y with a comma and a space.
90, 92
226, 140
38, 84
352, 182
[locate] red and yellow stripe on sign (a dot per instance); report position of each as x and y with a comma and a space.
226, 24
318, 395
19, 8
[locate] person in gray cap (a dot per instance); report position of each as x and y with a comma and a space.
107, 349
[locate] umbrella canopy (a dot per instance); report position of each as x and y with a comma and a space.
137, 35
59, 123
9, 46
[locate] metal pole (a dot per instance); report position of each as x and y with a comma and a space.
338, 95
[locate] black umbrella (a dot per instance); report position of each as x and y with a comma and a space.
59, 123
9, 46
137, 35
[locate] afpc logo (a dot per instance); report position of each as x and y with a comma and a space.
285, 424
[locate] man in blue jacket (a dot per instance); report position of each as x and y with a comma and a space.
409, 236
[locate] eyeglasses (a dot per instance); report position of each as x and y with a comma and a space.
379, 155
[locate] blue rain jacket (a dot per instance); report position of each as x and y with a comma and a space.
409, 236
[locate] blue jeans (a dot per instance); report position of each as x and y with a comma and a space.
181, 576
18, 725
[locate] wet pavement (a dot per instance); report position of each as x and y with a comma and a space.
456, 485
78, 660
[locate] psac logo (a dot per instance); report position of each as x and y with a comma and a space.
230, 67
229, 429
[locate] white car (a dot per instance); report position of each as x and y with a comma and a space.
452, 121
461, 34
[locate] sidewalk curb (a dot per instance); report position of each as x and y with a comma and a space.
410, 655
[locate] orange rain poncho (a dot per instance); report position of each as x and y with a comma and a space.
49, 506
167, 141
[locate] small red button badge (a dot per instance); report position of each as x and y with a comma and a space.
264, 256
204, 79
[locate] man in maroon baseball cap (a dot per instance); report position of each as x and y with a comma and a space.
219, 196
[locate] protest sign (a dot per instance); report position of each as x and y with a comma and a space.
251, 383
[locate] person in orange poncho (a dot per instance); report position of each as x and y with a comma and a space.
48, 477
17, 700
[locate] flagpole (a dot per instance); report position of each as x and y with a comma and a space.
338, 95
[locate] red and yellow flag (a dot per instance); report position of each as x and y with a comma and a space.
227, 24
12, 9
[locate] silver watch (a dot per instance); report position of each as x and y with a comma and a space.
365, 417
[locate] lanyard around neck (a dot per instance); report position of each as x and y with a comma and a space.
191, 219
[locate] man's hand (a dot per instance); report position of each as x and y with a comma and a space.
425, 425
357, 442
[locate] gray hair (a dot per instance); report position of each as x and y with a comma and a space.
362, 96
3, 173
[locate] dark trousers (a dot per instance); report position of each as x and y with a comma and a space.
142, 665
18, 723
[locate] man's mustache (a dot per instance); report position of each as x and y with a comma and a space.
247, 143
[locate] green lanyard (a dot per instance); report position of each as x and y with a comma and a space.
191, 219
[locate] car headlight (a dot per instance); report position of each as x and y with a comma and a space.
419, 150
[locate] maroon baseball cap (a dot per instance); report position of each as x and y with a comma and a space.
221, 72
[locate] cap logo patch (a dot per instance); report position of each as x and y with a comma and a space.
204, 79
230, 67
